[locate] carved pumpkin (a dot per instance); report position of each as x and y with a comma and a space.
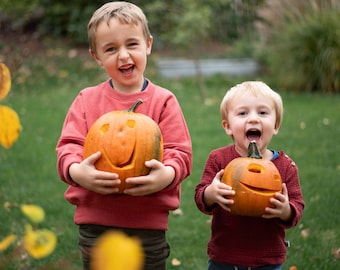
255, 181
126, 140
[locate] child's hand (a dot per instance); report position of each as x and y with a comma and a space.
86, 175
159, 178
281, 207
219, 193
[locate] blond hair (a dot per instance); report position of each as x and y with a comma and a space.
254, 88
126, 13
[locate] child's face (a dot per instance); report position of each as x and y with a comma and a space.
251, 118
122, 50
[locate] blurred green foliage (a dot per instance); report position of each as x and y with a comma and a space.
297, 42
304, 52
222, 20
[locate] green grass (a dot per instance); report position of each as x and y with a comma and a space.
42, 91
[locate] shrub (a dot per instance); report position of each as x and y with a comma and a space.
303, 52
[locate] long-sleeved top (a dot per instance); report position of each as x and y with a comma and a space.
121, 210
248, 241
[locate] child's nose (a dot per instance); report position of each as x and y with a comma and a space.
253, 117
123, 53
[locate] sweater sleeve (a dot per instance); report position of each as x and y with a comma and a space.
290, 176
177, 141
210, 170
70, 144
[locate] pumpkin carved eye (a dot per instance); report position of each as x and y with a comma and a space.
104, 128
255, 168
126, 140
131, 123
255, 181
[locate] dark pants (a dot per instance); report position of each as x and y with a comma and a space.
224, 266
155, 246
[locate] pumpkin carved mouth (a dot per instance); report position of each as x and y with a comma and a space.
128, 164
253, 189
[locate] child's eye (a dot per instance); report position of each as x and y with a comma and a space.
242, 113
263, 112
110, 49
133, 44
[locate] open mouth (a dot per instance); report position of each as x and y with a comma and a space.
127, 71
253, 134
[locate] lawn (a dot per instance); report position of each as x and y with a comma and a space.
45, 84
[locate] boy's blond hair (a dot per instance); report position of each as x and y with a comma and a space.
254, 88
126, 13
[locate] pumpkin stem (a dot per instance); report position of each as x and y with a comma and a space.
253, 151
135, 105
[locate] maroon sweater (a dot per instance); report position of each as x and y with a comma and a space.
248, 241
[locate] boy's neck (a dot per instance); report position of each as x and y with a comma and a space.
144, 86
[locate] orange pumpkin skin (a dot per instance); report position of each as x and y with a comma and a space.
255, 181
126, 140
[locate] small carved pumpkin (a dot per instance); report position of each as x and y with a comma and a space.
126, 140
255, 181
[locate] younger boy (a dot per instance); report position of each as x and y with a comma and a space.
250, 111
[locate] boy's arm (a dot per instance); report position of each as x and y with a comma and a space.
290, 177
69, 147
177, 141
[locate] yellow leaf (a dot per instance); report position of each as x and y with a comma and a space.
336, 253
9, 126
177, 212
175, 262
39, 243
5, 243
115, 250
35, 213
305, 233
5, 81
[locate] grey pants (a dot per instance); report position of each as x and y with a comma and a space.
155, 246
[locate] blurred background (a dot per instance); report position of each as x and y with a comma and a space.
304, 35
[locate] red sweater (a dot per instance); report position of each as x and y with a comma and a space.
248, 241
144, 212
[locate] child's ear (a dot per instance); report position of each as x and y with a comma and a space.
149, 45
276, 130
226, 127
94, 56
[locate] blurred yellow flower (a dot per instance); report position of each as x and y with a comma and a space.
5, 80
39, 243
34, 212
9, 126
9, 120
5, 243
115, 250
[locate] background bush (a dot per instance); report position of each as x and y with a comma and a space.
302, 52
